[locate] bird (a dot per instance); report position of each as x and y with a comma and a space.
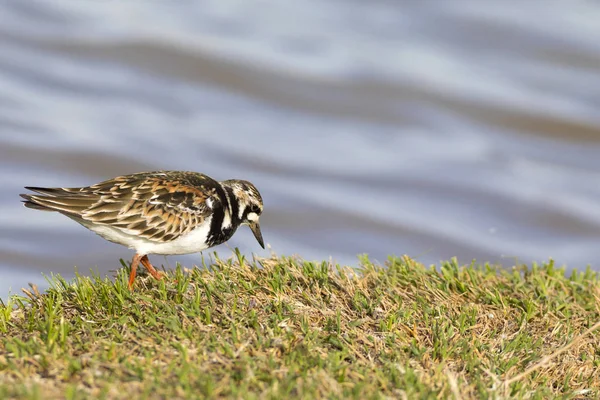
158, 212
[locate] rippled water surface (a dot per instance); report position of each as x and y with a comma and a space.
435, 129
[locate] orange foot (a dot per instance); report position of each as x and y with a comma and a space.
137, 259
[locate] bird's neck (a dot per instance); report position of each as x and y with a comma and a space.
233, 207
225, 220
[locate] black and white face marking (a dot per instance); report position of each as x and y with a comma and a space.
250, 214
249, 202
245, 207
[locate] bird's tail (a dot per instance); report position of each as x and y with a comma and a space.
62, 200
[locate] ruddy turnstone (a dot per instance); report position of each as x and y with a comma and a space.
162, 212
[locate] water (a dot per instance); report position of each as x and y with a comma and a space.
431, 129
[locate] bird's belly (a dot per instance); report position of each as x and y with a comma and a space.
192, 242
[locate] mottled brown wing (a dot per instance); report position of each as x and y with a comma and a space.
159, 206
156, 208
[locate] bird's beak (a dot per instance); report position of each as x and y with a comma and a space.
257, 234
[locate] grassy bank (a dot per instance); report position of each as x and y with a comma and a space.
282, 328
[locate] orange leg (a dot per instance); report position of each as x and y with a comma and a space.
146, 263
134, 264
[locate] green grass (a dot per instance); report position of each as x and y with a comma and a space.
287, 328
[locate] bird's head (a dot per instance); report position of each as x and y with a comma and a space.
250, 205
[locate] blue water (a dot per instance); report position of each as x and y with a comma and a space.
429, 129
